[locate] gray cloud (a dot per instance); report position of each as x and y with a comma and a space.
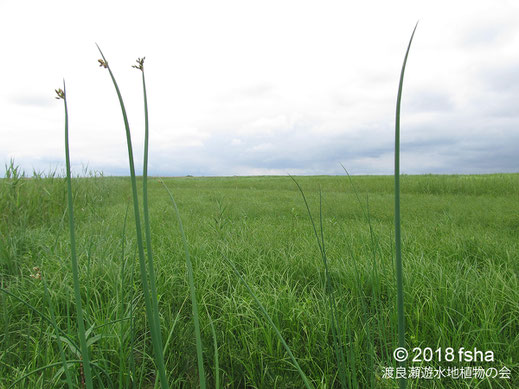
293, 100
454, 144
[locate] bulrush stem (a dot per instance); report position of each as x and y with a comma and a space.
148, 295
398, 239
147, 228
75, 272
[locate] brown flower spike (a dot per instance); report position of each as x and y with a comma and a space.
37, 274
60, 93
102, 63
140, 61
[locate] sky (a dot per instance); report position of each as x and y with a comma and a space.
240, 87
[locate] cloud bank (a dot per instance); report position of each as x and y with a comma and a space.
270, 88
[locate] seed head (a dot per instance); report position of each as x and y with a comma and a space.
102, 63
37, 273
140, 65
60, 93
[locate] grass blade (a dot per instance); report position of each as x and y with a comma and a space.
339, 352
269, 319
150, 312
398, 238
147, 229
58, 339
42, 315
122, 361
75, 272
215, 347
70, 361
341, 363
53, 315
199, 353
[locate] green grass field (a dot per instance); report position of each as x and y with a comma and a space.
257, 282
460, 252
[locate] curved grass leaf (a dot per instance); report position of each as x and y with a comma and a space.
398, 239
151, 314
75, 272
307, 383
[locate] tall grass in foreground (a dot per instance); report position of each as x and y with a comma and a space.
147, 229
336, 328
147, 276
398, 238
274, 327
75, 272
192, 291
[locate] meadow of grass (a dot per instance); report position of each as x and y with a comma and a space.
460, 253
334, 319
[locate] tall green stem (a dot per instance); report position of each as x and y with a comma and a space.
147, 228
398, 239
153, 319
75, 273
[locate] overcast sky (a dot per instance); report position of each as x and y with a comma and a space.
263, 87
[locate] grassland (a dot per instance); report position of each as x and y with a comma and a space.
460, 256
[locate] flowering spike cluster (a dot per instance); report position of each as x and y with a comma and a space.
140, 65
102, 63
60, 93
37, 273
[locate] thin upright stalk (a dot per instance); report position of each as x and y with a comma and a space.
333, 305
146, 213
338, 348
398, 239
75, 272
152, 318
